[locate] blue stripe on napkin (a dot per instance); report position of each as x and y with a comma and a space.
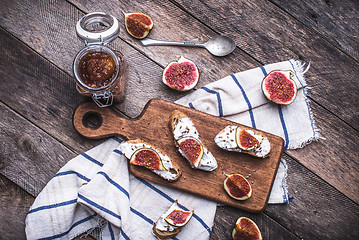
284, 127
111, 231
92, 159
115, 184
263, 70
191, 105
280, 116
141, 216
117, 139
246, 99
219, 100
117, 151
124, 234
72, 172
99, 207
53, 206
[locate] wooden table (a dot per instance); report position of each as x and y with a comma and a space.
38, 96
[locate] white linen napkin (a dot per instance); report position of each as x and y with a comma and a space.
95, 189
239, 98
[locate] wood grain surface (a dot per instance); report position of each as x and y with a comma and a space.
38, 43
152, 126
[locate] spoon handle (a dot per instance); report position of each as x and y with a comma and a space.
151, 42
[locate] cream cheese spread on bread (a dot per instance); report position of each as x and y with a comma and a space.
184, 127
170, 224
128, 148
226, 139
162, 224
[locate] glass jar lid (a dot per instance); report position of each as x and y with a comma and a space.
97, 28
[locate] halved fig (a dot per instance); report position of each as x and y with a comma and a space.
178, 217
182, 75
246, 229
279, 87
237, 187
148, 158
138, 25
245, 140
192, 148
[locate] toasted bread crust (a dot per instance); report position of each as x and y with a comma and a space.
177, 115
175, 166
165, 234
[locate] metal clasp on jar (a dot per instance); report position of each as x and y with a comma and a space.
103, 100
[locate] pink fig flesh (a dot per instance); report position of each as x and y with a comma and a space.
278, 87
182, 75
237, 187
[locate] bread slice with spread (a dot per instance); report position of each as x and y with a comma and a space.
172, 221
146, 155
239, 139
189, 144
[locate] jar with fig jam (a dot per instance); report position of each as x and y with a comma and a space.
99, 71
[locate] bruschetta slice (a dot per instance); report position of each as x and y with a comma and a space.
146, 155
237, 139
189, 144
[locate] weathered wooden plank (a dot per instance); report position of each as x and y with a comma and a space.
317, 210
335, 157
336, 21
268, 34
226, 218
29, 156
14, 206
46, 97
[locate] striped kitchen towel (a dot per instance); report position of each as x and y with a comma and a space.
239, 98
95, 190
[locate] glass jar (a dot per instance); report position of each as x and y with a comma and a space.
99, 71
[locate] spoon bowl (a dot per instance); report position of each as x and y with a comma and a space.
218, 46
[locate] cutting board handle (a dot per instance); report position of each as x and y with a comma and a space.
95, 122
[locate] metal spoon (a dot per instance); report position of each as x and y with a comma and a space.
218, 46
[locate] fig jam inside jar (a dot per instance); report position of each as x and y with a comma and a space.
99, 71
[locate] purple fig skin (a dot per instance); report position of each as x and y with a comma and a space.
138, 25
246, 229
279, 88
237, 187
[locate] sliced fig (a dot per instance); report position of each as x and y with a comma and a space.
148, 158
182, 75
192, 149
245, 140
278, 87
178, 217
237, 187
246, 229
138, 25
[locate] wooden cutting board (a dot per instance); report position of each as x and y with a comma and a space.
152, 126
